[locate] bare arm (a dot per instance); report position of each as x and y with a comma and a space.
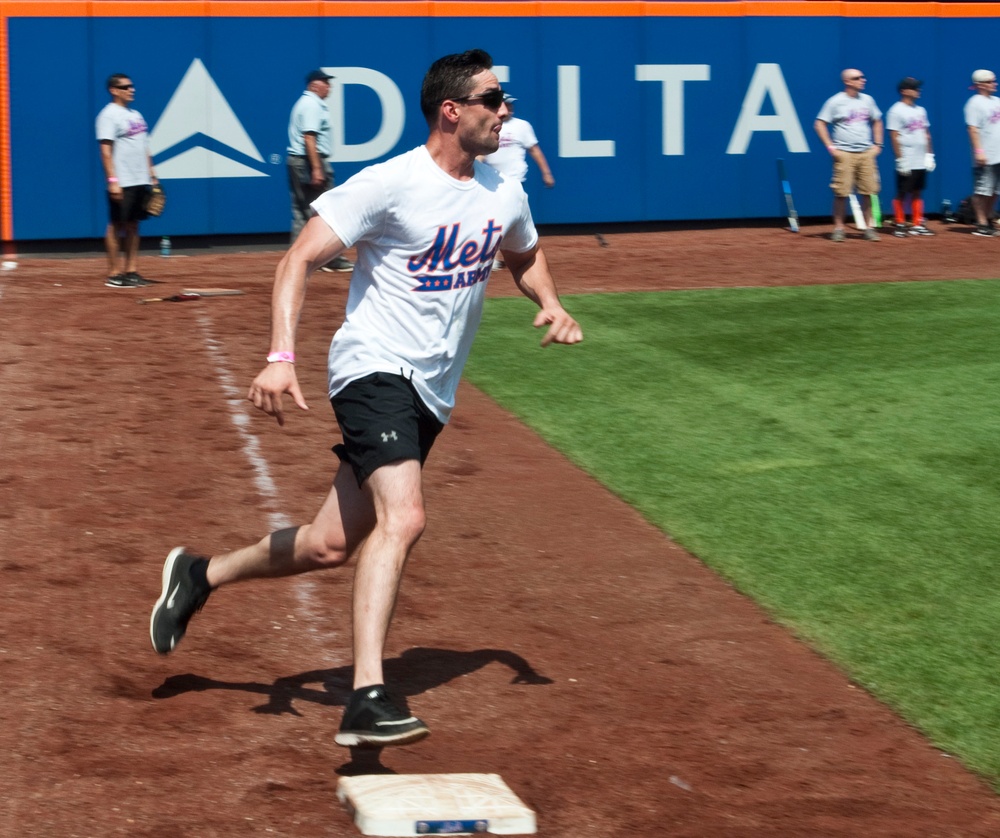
897, 149
878, 135
543, 165
531, 273
316, 245
111, 179
315, 163
978, 155
823, 132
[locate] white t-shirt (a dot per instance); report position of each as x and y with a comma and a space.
983, 112
851, 120
910, 124
516, 137
127, 130
425, 247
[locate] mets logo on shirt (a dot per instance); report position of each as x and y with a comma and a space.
446, 266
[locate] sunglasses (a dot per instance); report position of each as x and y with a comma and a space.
124, 87
855, 78
491, 98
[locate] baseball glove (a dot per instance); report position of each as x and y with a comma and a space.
156, 200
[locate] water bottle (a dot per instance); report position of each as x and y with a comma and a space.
946, 210
165, 246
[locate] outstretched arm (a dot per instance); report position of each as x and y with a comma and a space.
543, 165
531, 273
316, 245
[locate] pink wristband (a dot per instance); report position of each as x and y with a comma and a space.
287, 357
112, 180
980, 151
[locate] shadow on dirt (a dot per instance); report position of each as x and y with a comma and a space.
415, 671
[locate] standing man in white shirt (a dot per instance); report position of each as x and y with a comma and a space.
427, 225
128, 171
309, 170
910, 136
856, 142
517, 139
982, 118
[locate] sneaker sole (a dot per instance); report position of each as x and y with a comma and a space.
366, 739
168, 572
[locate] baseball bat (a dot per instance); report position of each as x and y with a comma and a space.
786, 187
193, 294
859, 217
173, 298
213, 292
876, 211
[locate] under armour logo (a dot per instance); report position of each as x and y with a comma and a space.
391, 435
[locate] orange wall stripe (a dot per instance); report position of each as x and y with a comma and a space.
504, 8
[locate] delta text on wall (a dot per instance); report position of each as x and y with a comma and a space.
646, 111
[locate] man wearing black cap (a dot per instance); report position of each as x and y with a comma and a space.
910, 136
309, 172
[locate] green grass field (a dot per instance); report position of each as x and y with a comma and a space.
834, 451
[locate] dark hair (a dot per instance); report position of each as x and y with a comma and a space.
450, 78
115, 79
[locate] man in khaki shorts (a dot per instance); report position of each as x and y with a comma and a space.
850, 126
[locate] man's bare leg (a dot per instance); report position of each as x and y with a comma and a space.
839, 211
131, 246
372, 717
346, 517
397, 496
982, 205
111, 248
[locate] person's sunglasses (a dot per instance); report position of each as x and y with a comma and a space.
124, 87
855, 78
491, 98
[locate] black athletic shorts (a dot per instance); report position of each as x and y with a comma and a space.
382, 420
132, 206
913, 182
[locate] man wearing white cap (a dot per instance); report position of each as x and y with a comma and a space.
517, 138
982, 116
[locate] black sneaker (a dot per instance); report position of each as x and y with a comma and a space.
984, 230
181, 597
138, 279
120, 281
340, 264
371, 720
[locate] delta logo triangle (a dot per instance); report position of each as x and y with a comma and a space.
199, 126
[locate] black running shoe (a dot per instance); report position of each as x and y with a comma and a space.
339, 264
138, 280
372, 720
121, 281
182, 596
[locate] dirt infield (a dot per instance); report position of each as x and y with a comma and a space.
545, 631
